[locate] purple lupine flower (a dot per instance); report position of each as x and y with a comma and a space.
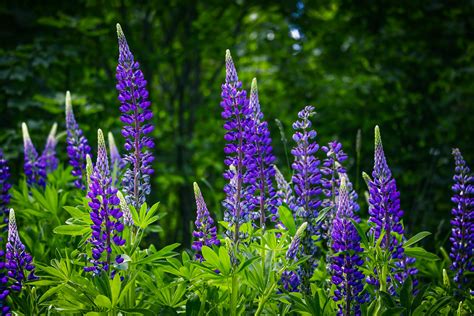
290, 279
105, 213
115, 160
236, 111
4, 188
385, 215
49, 152
77, 145
136, 115
34, 166
284, 192
260, 169
306, 180
19, 263
462, 232
346, 260
206, 232
332, 170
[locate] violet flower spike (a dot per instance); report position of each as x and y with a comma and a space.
34, 166
49, 152
462, 232
307, 188
77, 145
136, 117
5, 186
239, 202
346, 260
385, 215
19, 263
105, 213
290, 279
127, 215
206, 232
260, 171
332, 170
284, 192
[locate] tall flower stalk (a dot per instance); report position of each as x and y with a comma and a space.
236, 112
385, 217
34, 166
206, 232
333, 170
106, 215
307, 186
261, 172
19, 263
346, 260
5, 186
49, 152
77, 146
284, 192
462, 232
136, 117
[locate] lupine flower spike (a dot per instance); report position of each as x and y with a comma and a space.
236, 112
105, 213
206, 232
136, 117
462, 232
34, 166
346, 261
115, 159
307, 187
285, 192
261, 172
290, 279
49, 152
385, 215
4, 213
127, 215
19, 263
4, 188
332, 170
89, 170
77, 145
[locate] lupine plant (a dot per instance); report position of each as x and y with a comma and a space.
82, 240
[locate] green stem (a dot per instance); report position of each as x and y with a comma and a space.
234, 295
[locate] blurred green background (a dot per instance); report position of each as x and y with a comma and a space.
408, 68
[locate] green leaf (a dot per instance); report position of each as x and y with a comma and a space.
210, 256
361, 233
387, 299
75, 212
395, 311
413, 240
102, 301
420, 253
286, 217
224, 259
438, 305
115, 286
72, 230
406, 293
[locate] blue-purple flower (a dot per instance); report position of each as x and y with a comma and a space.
260, 158
385, 216
307, 187
333, 170
346, 261
4, 188
136, 117
49, 153
206, 232
238, 124
462, 232
19, 263
34, 166
105, 214
290, 279
285, 192
77, 146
